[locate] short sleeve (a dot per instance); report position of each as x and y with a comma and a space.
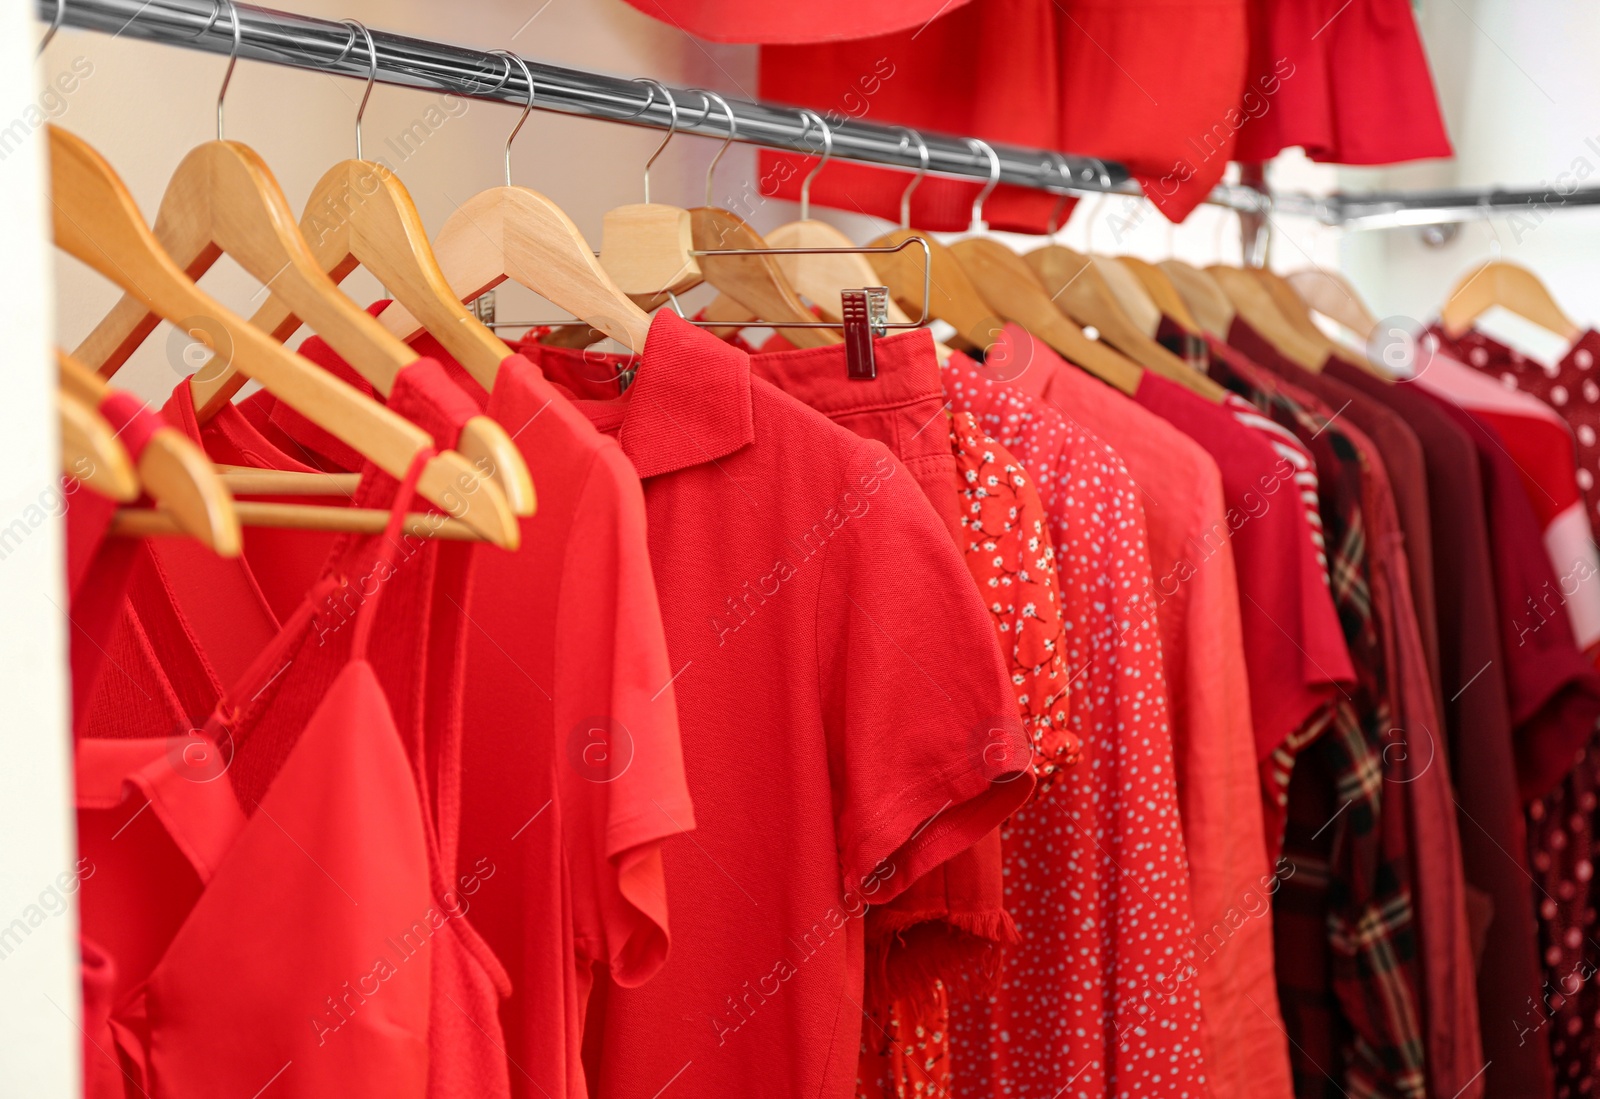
924, 738
616, 725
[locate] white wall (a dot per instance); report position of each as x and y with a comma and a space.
1517, 84
38, 956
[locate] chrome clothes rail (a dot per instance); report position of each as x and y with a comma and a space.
304, 42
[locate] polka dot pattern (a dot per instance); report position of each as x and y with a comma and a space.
1562, 836
1568, 386
1098, 1001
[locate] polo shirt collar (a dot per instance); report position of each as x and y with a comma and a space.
689, 403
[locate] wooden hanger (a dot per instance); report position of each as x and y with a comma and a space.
648, 247
757, 285
359, 213
1260, 312
1509, 286
1211, 309
1078, 287
96, 221
92, 453
518, 234
1012, 290
821, 276
952, 296
1159, 286
1006, 280
1330, 293
171, 469
1298, 314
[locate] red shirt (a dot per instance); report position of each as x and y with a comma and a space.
847, 722
1097, 878
1278, 565
1152, 84
1193, 600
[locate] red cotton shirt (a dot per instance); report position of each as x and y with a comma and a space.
1098, 1000
1277, 564
847, 722
1193, 601
575, 776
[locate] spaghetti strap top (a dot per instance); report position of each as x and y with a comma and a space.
196, 622
263, 940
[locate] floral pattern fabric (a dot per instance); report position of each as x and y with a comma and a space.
1008, 550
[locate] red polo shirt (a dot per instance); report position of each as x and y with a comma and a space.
839, 695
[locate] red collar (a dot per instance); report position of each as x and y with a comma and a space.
689, 402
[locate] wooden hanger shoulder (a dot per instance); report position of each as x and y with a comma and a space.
1014, 291
648, 248
823, 276
758, 283
1509, 286
96, 221
1158, 284
91, 452
1261, 313
1212, 309
952, 296
1330, 293
515, 233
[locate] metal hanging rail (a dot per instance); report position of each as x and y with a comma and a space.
304, 42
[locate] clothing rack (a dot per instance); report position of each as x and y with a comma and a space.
301, 41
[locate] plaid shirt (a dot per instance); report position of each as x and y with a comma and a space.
1344, 922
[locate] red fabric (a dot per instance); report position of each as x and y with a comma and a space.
1277, 563
1109, 1009
328, 811
835, 705
1396, 514
1142, 82
951, 921
827, 21
132, 419
194, 610
1347, 82
1192, 598
575, 778
1478, 723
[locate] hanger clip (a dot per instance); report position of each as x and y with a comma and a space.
865, 314
483, 308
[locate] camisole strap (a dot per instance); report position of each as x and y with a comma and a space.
388, 547
133, 423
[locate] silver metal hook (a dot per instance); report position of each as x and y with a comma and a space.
916, 181
733, 132
827, 152
527, 74
55, 25
1065, 171
975, 144
233, 59
672, 127
372, 72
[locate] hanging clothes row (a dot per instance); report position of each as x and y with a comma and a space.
1146, 687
